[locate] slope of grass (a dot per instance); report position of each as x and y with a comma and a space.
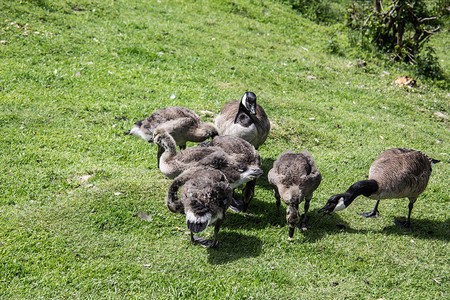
76, 74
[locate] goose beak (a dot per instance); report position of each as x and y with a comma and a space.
327, 209
257, 172
253, 109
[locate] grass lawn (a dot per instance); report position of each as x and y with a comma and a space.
74, 75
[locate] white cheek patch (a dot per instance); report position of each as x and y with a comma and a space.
137, 132
246, 104
206, 218
244, 101
244, 178
340, 205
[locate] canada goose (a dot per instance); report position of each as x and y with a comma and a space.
396, 173
243, 153
294, 177
182, 123
245, 119
204, 199
173, 163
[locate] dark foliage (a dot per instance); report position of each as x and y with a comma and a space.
402, 28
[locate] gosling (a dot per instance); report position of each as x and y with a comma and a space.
205, 197
294, 178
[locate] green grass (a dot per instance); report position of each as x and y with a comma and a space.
72, 183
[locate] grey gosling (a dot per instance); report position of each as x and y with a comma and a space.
173, 163
245, 119
294, 178
396, 173
181, 123
204, 199
243, 153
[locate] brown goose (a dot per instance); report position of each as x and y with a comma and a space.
245, 119
183, 124
173, 163
205, 197
243, 153
396, 173
294, 177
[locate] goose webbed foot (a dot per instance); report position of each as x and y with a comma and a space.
371, 214
303, 226
204, 242
237, 205
405, 224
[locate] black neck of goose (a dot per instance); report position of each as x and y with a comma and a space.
242, 109
363, 187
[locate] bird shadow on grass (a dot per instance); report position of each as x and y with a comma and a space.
234, 246
423, 229
262, 215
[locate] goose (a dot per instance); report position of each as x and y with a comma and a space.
183, 124
243, 153
294, 178
173, 163
204, 199
245, 119
396, 173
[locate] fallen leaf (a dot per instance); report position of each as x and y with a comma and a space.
84, 178
144, 216
405, 81
441, 115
